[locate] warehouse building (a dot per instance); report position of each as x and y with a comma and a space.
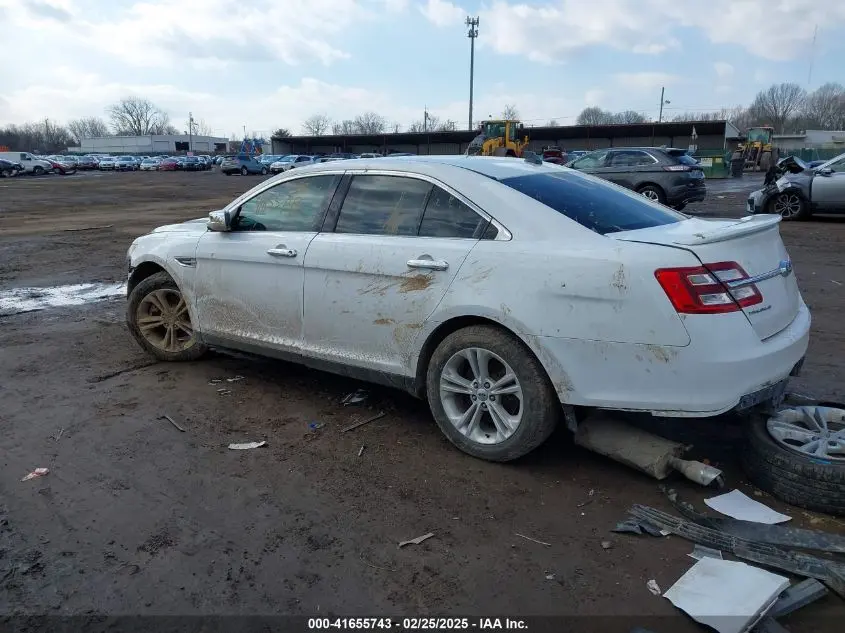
152, 144
708, 136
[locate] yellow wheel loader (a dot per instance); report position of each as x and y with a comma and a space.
499, 138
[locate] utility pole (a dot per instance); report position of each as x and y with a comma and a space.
190, 132
472, 33
425, 119
662, 103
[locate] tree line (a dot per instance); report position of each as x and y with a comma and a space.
787, 107
131, 116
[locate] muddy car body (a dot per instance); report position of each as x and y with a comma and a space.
498, 289
801, 190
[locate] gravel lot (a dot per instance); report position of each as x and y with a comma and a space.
136, 517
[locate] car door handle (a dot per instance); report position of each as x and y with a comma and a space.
282, 252
431, 264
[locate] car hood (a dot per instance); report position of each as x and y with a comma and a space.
191, 226
792, 165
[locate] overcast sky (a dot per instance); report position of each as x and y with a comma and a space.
271, 63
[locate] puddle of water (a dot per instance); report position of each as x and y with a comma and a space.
19, 300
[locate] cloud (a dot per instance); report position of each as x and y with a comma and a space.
723, 69
443, 13
645, 81
46, 10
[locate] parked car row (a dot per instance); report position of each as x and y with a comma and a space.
19, 163
155, 163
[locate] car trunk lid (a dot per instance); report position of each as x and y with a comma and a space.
755, 244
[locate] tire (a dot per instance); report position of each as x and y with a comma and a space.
244, 171
264, 171
807, 482
790, 206
38, 170
539, 408
161, 286
653, 192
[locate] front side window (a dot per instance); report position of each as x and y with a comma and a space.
294, 205
383, 205
591, 160
446, 216
592, 203
837, 166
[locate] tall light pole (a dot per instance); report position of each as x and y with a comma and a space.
662, 103
472, 33
190, 132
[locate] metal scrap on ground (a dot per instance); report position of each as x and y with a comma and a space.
173, 422
533, 540
247, 445
739, 506
38, 472
417, 541
356, 397
378, 416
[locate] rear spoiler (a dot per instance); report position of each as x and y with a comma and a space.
746, 226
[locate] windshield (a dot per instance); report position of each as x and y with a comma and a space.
759, 136
832, 162
592, 203
494, 129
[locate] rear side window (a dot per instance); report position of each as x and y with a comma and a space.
446, 216
383, 205
685, 159
592, 203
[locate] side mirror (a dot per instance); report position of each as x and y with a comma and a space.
827, 171
219, 221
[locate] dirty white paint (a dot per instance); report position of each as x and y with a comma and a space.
19, 300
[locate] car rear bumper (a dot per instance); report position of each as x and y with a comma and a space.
726, 366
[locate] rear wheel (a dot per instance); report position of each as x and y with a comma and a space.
653, 192
38, 171
489, 394
790, 206
264, 171
158, 317
244, 171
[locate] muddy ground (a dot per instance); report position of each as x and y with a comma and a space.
137, 517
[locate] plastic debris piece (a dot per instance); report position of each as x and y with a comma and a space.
224, 392
173, 422
649, 529
700, 551
606, 544
356, 397
378, 416
550, 576
235, 379
417, 541
653, 587
361, 450
628, 527
215, 381
38, 472
314, 426
245, 446
533, 540
740, 506
798, 596
739, 593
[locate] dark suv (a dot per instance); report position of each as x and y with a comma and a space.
243, 164
662, 174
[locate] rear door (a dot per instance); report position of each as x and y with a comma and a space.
373, 280
828, 191
630, 167
755, 244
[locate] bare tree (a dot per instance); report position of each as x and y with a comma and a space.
629, 117
343, 128
448, 126
369, 123
395, 127
200, 128
552, 123
510, 112
824, 108
280, 133
779, 103
317, 125
594, 116
134, 116
87, 127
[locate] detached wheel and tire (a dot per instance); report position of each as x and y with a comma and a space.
158, 318
790, 206
652, 192
489, 395
798, 455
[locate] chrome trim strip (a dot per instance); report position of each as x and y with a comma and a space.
187, 262
784, 269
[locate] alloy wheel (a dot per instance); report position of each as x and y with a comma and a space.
817, 432
164, 321
651, 194
788, 205
481, 395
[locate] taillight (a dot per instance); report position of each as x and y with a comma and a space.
676, 168
705, 289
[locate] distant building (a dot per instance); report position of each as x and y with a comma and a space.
816, 139
152, 144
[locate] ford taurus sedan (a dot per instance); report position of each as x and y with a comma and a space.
504, 292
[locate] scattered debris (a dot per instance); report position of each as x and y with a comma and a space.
798, 596
628, 527
533, 540
89, 228
698, 472
59, 434
740, 593
700, 551
361, 450
247, 445
38, 472
215, 381
649, 529
173, 422
314, 426
369, 564
356, 397
550, 576
224, 392
378, 416
653, 587
835, 282
606, 544
740, 506
235, 379
416, 541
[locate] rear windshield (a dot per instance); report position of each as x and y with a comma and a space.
594, 204
686, 159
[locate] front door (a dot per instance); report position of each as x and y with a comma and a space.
248, 286
626, 166
370, 284
828, 191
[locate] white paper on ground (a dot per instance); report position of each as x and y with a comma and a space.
729, 596
247, 445
740, 506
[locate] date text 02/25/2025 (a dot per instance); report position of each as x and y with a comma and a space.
417, 624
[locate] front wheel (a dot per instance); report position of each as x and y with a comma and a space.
244, 171
264, 171
158, 317
653, 193
790, 206
38, 171
489, 394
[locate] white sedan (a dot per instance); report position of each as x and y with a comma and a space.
291, 161
503, 291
